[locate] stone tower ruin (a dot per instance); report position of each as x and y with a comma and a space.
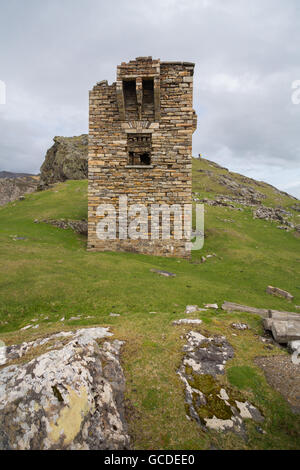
140, 149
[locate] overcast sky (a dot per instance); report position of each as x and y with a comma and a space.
247, 56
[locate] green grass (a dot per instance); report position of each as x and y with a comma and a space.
243, 377
50, 275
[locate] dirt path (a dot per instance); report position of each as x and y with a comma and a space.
284, 377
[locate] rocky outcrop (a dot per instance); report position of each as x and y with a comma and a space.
296, 207
66, 159
10, 174
79, 226
246, 192
223, 201
69, 397
236, 182
269, 213
249, 198
16, 187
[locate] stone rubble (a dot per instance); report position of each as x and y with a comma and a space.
79, 226
280, 292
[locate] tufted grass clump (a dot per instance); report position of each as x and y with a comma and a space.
244, 377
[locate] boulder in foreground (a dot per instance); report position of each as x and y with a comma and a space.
70, 397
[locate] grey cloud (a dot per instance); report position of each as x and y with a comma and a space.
246, 55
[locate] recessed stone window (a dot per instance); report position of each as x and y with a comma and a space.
130, 99
148, 99
139, 149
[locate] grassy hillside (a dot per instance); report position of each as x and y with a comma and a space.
206, 180
48, 275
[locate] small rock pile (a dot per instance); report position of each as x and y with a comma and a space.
79, 226
273, 214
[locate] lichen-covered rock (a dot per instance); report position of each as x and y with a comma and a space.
70, 397
208, 402
14, 188
66, 159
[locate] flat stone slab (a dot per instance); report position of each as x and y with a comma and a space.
263, 312
284, 316
71, 397
187, 321
285, 331
233, 307
280, 292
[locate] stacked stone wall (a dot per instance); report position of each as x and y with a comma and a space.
162, 115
